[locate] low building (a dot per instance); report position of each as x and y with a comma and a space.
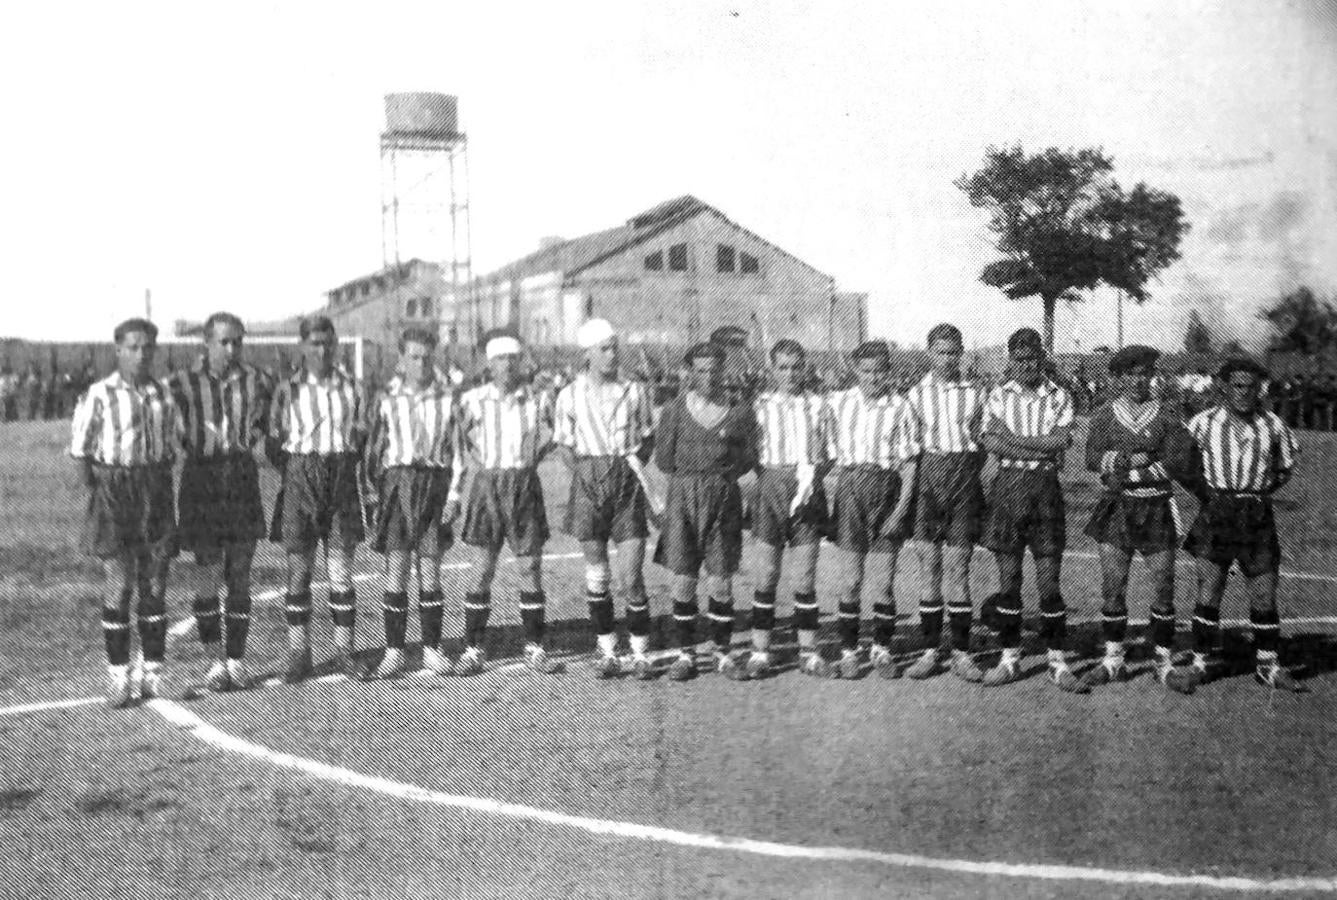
381, 305
669, 276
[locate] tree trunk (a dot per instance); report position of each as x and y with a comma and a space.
1050, 303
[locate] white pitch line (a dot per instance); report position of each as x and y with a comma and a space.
48, 705
203, 731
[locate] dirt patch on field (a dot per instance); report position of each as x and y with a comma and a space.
122, 801
16, 800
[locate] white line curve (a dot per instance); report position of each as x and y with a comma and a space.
201, 730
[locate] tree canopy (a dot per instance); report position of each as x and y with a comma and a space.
1064, 225
1197, 336
1301, 323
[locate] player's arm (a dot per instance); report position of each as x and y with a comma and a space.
1184, 462
666, 439
84, 429
542, 439
278, 426
644, 422
457, 468
564, 427
1284, 449
376, 441
894, 525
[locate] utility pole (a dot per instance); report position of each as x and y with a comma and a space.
148, 304
1119, 330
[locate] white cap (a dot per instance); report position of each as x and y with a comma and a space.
594, 332
502, 345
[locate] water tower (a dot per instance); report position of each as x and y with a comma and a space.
425, 197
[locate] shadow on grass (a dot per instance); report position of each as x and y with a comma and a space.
1307, 655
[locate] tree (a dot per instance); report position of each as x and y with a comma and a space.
1197, 336
1301, 323
1064, 225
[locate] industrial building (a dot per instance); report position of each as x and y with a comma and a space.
669, 275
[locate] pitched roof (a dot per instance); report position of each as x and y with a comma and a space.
581, 252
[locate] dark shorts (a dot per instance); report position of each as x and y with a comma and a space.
771, 522
506, 506
1237, 528
1133, 524
409, 514
949, 499
1026, 509
606, 502
703, 524
318, 501
219, 504
865, 497
130, 510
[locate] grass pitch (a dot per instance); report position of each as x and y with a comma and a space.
1233, 781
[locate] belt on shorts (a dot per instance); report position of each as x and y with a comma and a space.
1026, 465
866, 469
1220, 493
218, 459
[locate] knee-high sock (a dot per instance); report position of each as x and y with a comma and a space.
429, 617
238, 623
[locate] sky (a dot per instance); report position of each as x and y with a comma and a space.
228, 158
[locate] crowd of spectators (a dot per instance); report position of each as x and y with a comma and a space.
34, 394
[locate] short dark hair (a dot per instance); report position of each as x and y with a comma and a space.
129, 326
872, 350
945, 331
424, 336
315, 323
789, 347
1241, 364
705, 348
222, 318
1025, 339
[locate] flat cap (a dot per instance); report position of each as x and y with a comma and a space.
1131, 357
1241, 364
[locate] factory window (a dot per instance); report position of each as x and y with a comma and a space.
411, 308
366, 288
747, 264
654, 262
678, 258
724, 256
426, 307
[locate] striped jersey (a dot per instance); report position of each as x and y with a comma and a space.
946, 414
311, 415
603, 419
120, 423
863, 430
504, 430
1028, 413
791, 429
416, 426
1240, 454
222, 414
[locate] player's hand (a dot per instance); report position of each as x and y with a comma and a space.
1139, 460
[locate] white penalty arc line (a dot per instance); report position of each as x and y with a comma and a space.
201, 730
26, 708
